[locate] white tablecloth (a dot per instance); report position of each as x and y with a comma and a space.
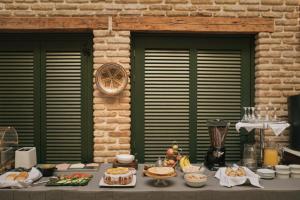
277, 127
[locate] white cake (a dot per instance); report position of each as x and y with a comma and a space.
118, 176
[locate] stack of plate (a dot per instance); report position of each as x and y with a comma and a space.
266, 173
282, 171
295, 171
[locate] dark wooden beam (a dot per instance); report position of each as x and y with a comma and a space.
194, 24
74, 24
159, 24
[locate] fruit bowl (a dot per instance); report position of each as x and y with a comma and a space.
195, 179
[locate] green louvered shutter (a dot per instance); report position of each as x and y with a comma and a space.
218, 96
17, 94
46, 94
166, 101
180, 82
63, 106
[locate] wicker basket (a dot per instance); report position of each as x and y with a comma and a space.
111, 78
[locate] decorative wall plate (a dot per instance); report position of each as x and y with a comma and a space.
111, 78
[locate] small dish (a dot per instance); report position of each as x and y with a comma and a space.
266, 173
295, 171
195, 179
46, 169
284, 175
282, 167
125, 158
294, 166
295, 175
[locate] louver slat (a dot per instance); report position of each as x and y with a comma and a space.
166, 101
63, 106
17, 93
218, 96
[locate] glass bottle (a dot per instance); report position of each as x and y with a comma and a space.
249, 156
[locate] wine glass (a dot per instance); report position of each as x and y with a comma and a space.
245, 117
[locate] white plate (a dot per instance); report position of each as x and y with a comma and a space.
132, 184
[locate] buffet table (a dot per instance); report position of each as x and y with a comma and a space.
145, 190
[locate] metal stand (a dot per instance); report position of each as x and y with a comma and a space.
261, 147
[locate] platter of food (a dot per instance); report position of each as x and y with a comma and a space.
118, 177
195, 179
131, 184
160, 172
237, 175
76, 179
16, 176
77, 167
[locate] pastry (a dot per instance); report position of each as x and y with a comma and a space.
240, 171
161, 171
11, 176
118, 176
21, 176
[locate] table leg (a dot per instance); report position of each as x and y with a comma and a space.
261, 147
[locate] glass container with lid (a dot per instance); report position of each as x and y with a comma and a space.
8, 143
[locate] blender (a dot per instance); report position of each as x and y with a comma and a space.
215, 156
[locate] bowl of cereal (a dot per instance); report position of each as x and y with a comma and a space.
195, 179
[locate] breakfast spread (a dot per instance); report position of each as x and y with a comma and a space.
118, 176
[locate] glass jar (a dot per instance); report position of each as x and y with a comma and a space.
271, 157
249, 156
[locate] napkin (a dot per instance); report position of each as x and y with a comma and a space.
278, 128
229, 181
33, 175
248, 126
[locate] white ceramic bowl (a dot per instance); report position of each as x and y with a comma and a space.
295, 175
295, 171
195, 179
283, 174
294, 167
266, 173
282, 168
125, 158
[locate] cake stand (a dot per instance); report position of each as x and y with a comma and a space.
160, 179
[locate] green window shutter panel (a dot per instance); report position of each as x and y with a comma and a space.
46, 93
166, 101
63, 106
218, 97
17, 93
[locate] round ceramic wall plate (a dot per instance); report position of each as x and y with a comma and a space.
111, 78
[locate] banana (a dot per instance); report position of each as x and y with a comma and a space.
187, 162
184, 162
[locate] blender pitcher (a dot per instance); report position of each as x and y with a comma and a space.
217, 130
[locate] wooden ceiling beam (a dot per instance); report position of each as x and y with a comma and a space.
64, 24
158, 24
194, 24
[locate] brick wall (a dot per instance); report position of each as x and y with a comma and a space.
277, 57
